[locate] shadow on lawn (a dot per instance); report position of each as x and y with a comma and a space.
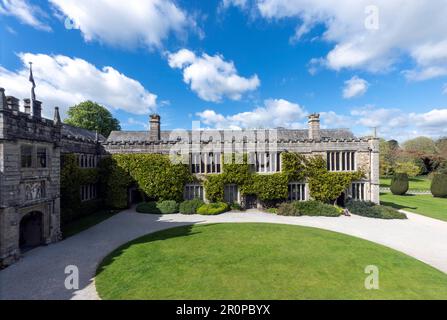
395, 205
182, 231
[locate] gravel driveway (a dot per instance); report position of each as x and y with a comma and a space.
40, 274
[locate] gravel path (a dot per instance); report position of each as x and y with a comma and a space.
40, 274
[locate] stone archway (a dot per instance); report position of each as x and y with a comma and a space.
31, 230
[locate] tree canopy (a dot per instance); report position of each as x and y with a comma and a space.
92, 116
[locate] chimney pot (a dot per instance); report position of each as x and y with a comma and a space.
37, 109
13, 103
154, 124
314, 126
57, 118
27, 105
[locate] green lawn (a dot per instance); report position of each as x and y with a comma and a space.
426, 205
86, 222
261, 261
416, 183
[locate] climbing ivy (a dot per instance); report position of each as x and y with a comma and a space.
154, 174
72, 178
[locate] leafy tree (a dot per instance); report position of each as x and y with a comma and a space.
421, 145
410, 168
92, 116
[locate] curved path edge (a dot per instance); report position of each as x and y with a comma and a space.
41, 272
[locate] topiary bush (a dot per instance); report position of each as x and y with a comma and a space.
168, 207
399, 184
190, 206
212, 209
371, 210
439, 186
162, 207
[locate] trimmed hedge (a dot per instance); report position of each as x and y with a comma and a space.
439, 186
308, 208
371, 210
399, 184
190, 206
162, 207
212, 209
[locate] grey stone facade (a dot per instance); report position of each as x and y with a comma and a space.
30, 165
31, 149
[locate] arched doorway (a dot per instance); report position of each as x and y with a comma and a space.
31, 231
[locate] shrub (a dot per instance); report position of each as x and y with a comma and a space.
308, 208
168, 206
287, 209
190, 206
399, 184
236, 207
316, 208
163, 207
371, 210
439, 186
272, 210
148, 207
213, 209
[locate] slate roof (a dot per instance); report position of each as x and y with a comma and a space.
71, 132
282, 135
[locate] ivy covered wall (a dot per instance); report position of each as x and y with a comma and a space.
72, 178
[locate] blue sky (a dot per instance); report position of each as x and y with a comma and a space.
235, 63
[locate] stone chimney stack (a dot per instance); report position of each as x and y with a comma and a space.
314, 126
154, 132
3, 103
27, 105
37, 109
13, 103
57, 117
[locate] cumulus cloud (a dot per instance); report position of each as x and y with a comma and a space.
394, 123
25, 12
355, 87
63, 81
274, 113
401, 31
126, 23
211, 77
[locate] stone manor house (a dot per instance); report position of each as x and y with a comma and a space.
30, 164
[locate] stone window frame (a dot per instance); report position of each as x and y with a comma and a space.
200, 162
341, 160
88, 192
196, 188
34, 156
234, 190
357, 191
297, 195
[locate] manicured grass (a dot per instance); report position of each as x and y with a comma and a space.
86, 222
261, 261
422, 183
426, 205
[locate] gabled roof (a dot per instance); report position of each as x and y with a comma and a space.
72, 132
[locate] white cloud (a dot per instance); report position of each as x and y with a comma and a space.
402, 32
126, 23
355, 87
24, 12
211, 77
273, 114
237, 3
63, 81
398, 124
